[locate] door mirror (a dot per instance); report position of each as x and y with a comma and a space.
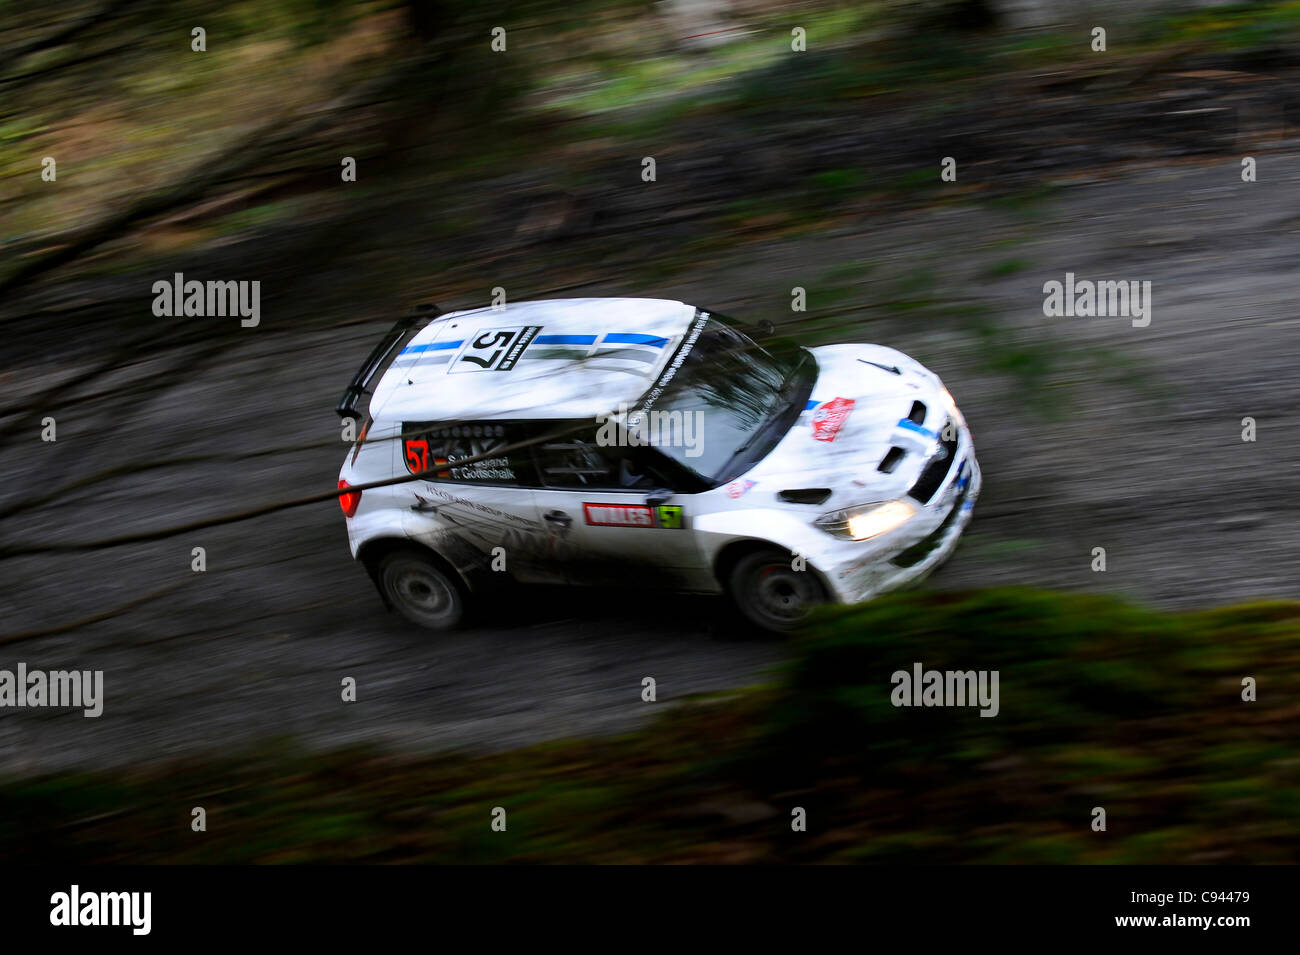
659, 495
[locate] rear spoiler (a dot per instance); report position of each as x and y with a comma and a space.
378, 357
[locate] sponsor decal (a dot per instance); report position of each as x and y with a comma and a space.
679, 357
633, 515
670, 515
739, 488
488, 469
495, 349
480, 508
619, 515
828, 418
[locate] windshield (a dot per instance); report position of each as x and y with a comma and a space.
728, 404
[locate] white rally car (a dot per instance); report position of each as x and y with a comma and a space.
651, 443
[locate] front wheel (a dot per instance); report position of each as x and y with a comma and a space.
771, 593
420, 590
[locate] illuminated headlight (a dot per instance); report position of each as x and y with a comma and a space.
866, 521
950, 406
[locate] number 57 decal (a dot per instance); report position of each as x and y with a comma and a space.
417, 457
417, 454
495, 349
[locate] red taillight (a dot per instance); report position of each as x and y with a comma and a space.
348, 501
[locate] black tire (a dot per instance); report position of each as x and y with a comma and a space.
420, 590
771, 594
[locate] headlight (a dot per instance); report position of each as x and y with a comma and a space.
950, 406
867, 520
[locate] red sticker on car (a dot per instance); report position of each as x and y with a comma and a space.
828, 418
619, 515
416, 454
738, 489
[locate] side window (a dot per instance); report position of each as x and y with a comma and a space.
439, 448
574, 462
578, 461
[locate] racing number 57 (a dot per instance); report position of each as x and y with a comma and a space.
495, 348
417, 455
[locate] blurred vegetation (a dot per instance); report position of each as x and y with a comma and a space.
163, 150
1102, 703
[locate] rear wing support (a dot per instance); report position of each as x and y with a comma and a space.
378, 358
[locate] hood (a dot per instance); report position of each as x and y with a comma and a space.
862, 405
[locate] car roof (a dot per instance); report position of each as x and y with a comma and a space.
581, 358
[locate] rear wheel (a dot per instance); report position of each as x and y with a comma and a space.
771, 593
420, 590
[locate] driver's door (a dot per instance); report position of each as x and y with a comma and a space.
613, 522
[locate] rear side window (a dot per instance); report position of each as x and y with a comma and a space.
578, 460
443, 450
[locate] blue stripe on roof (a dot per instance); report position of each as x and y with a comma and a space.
628, 338
811, 405
432, 346
564, 340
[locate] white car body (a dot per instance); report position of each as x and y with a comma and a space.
487, 379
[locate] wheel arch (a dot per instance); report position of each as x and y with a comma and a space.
373, 551
731, 554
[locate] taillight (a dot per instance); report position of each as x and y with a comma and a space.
349, 501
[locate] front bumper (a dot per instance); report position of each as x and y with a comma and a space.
910, 553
